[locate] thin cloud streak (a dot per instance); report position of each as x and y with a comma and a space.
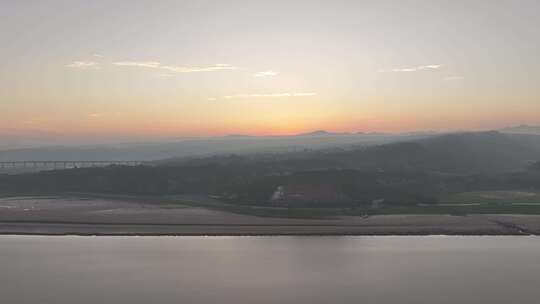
265, 74
175, 68
142, 64
195, 69
415, 69
419, 68
83, 65
95, 115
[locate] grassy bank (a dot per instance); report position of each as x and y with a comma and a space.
459, 204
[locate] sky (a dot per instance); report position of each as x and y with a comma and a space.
198, 68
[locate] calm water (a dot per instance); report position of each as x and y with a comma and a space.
60, 270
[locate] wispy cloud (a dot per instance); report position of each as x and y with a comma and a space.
415, 69
142, 64
271, 95
195, 69
95, 115
97, 55
419, 68
83, 65
450, 78
175, 68
265, 74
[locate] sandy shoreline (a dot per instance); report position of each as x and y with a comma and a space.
102, 216
214, 230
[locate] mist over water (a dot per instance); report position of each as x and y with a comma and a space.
134, 270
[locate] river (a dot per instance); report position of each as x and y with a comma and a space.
136, 270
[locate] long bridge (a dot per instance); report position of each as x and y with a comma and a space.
65, 164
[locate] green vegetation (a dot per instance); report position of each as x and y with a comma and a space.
464, 209
493, 197
423, 177
447, 208
299, 212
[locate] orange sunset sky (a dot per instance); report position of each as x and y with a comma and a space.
196, 68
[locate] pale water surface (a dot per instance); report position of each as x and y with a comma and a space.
62, 270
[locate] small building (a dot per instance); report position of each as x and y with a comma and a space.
308, 194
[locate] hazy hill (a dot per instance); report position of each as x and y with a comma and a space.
535, 166
413, 171
201, 147
457, 153
461, 153
523, 129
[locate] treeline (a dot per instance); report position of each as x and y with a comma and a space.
401, 173
255, 183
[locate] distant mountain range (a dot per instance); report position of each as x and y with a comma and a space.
523, 129
421, 146
326, 133
460, 153
323, 133
457, 153
234, 144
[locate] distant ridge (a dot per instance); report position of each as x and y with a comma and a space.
327, 133
456, 152
322, 133
535, 167
522, 129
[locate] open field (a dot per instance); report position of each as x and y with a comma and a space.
94, 215
444, 208
515, 197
